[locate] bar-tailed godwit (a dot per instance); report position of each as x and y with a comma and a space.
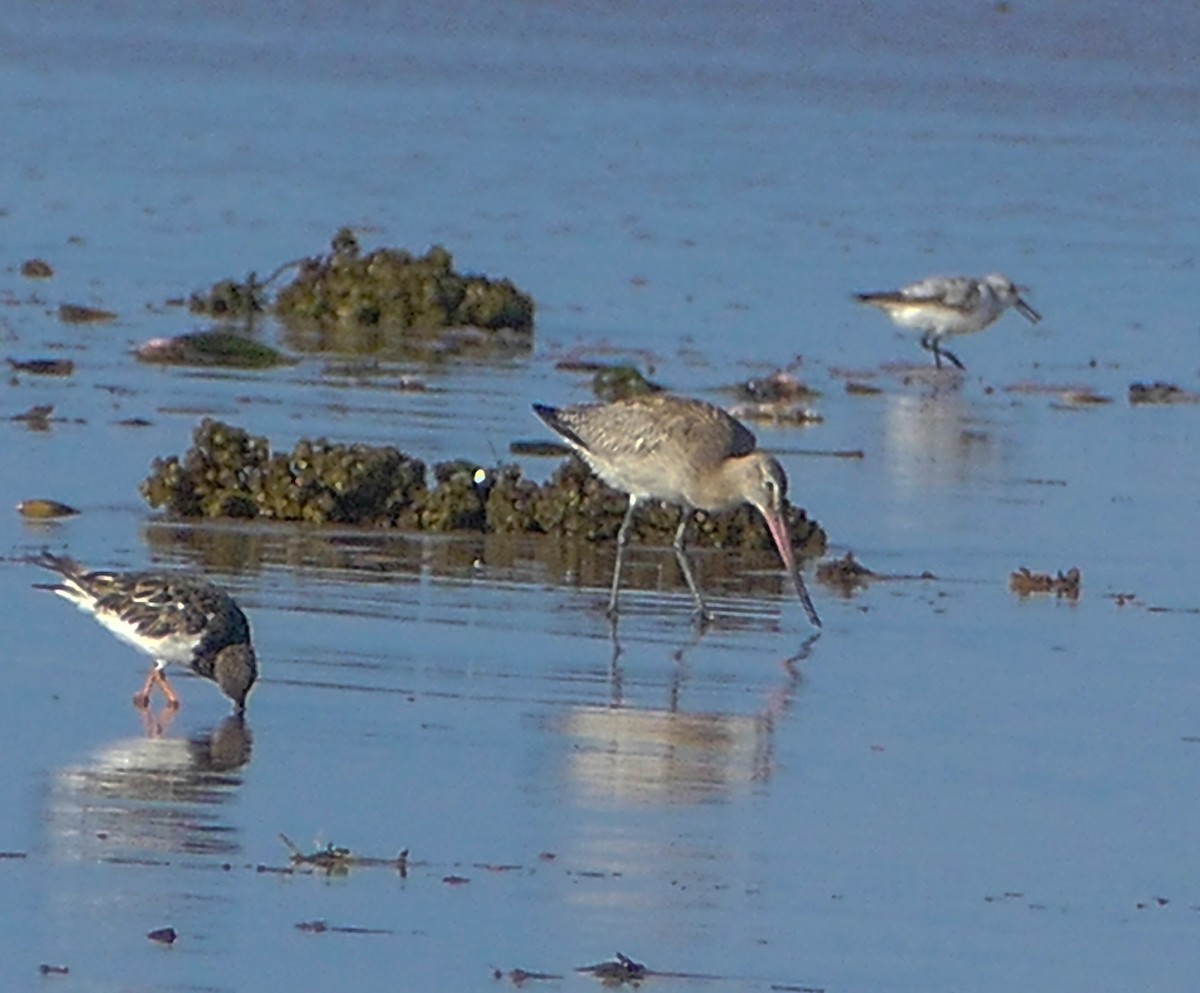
681, 451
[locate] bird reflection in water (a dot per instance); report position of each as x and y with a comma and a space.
141, 799
666, 755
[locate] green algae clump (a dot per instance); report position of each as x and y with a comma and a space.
229, 473
344, 295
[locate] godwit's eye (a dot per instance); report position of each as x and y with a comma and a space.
775, 491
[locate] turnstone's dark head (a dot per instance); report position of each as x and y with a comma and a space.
235, 670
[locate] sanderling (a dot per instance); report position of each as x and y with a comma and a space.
172, 618
944, 306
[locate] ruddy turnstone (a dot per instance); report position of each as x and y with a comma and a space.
945, 306
685, 452
170, 617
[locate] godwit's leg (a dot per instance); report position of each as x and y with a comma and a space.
622, 543
702, 614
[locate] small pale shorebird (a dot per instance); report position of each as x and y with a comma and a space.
945, 306
684, 452
170, 617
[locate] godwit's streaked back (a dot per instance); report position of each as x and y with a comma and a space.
170, 617
681, 451
945, 306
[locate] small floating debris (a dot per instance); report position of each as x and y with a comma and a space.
163, 935
74, 313
322, 927
845, 575
620, 382
335, 859
368, 369
53, 970
36, 418
620, 970
857, 388
777, 413
39, 509
1160, 392
779, 387
211, 348
1066, 585
777, 399
1067, 394
36, 269
519, 977
830, 453
580, 365
1085, 397
42, 367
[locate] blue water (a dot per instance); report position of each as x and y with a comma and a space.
952, 789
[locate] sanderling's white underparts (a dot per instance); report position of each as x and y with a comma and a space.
945, 306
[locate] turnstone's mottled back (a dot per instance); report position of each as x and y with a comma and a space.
170, 617
944, 306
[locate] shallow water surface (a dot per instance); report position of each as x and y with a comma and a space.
952, 788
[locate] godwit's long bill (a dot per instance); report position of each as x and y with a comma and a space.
684, 452
946, 306
170, 617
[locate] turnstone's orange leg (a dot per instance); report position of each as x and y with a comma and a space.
168, 690
141, 699
156, 677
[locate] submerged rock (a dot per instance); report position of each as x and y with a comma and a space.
37, 269
211, 348
43, 509
1161, 392
42, 367
74, 313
